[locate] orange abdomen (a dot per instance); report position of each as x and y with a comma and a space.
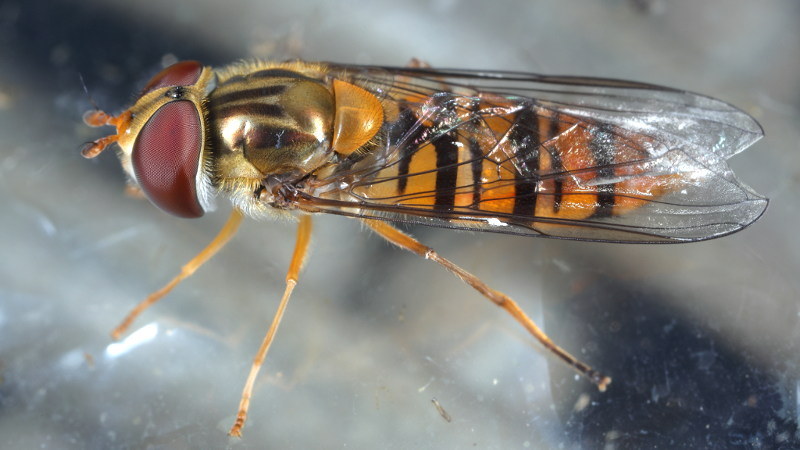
508, 160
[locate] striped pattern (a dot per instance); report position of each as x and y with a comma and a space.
250, 116
527, 162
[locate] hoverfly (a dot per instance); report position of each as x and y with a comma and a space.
508, 152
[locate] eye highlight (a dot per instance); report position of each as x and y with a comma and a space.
166, 158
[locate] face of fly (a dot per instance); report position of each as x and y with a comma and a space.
162, 138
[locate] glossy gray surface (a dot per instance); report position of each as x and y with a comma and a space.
701, 339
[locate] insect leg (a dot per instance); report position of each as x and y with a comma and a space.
222, 238
405, 241
299, 256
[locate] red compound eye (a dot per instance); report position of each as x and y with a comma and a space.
166, 158
184, 73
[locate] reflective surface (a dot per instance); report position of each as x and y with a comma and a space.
701, 339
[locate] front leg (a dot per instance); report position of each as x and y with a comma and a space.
222, 238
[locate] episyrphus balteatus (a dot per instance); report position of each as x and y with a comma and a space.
508, 152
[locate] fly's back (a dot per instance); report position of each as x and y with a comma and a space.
284, 121
274, 119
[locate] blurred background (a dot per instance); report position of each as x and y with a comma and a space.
701, 339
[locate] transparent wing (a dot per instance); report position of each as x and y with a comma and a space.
566, 157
